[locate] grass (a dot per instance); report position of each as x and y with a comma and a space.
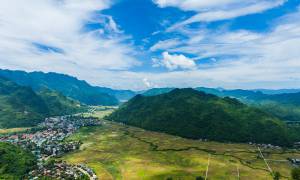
13, 130
116, 151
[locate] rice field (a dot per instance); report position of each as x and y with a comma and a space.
121, 152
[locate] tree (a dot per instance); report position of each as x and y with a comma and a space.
295, 174
276, 176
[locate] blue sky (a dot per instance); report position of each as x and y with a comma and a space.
140, 44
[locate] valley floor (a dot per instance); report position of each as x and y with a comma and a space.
116, 151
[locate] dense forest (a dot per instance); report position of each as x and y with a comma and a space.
194, 114
22, 107
14, 161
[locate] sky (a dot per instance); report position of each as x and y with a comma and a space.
142, 44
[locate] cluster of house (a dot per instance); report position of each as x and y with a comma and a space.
48, 141
57, 170
88, 170
266, 146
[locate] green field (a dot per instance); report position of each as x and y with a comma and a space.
116, 151
13, 130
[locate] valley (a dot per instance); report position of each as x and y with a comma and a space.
117, 151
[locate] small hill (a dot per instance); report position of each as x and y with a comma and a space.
192, 114
22, 107
14, 161
68, 86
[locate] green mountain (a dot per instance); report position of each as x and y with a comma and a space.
22, 107
68, 86
14, 161
192, 114
285, 106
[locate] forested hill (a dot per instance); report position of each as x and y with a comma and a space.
22, 107
285, 106
68, 86
193, 114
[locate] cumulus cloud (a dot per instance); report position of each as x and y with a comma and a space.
175, 61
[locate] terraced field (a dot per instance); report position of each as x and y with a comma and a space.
117, 151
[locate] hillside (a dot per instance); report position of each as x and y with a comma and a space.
68, 86
285, 106
21, 107
193, 114
14, 161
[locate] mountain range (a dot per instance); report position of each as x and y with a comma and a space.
69, 86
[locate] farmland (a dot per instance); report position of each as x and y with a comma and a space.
116, 151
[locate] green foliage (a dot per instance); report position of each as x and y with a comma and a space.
295, 174
192, 114
22, 107
14, 161
276, 176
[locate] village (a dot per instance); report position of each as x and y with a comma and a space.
47, 141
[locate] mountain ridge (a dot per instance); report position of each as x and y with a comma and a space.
69, 86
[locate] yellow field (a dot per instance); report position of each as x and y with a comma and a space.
120, 152
12, 130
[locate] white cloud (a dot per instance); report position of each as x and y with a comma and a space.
243, 59
61, 24
173, 62
165, 44
215, 10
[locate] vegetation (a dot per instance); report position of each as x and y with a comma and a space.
22, 107
57, 103
14, 161
295, 173
284, 104
68, 86
117, 152
192, 114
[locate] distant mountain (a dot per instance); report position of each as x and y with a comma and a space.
157, 91
192, 114
278, 91
22, 107
68, 86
